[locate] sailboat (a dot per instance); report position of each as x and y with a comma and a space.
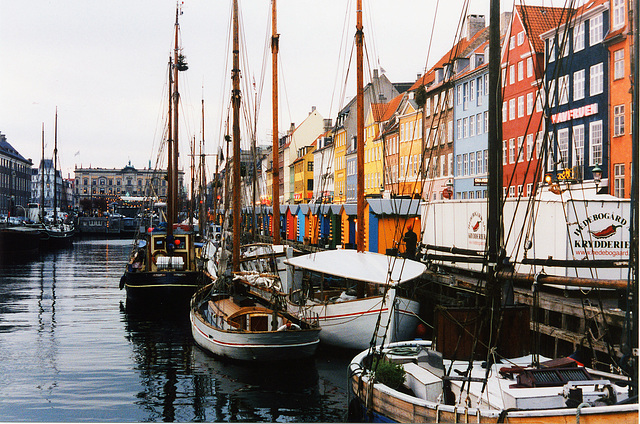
479, 367
163, 266
57, 233
226, 319
354, 293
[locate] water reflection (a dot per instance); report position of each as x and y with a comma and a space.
182, 382
72, 351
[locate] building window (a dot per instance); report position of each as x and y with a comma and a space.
529, 103
529, 147
539, 100
520, 70
486, 121
512, 109
504, 112
459, 165
618, 13
578, 37
551, 97
520, 38
504, 152
512, 150
618, 180
529, 67
512, 191
563, 87
310, 166
596, 82
520, 106
578, 145
578, 85
563, 147
472, 126
595, 29
472, 163
618, 64
529, 189
472, 90
618, 120
512, 42
512, 74
450, 131
551, 49
479, 123
595, 143
520, 152
465, 164
479, 169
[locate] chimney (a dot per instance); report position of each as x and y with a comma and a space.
375, 74
475, 23
313, 109
292, 128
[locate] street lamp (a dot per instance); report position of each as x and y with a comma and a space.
597, 176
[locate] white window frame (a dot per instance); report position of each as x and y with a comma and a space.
596, 79
618, 120
578, 37
578, 85
618, 64
520, 106
529, 67
618, 13
596, 29
529, 103
563, 90
595, 143
563, 147
578, 145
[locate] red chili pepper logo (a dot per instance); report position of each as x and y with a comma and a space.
607, 232
475, 227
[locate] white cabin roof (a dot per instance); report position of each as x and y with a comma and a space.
361, 266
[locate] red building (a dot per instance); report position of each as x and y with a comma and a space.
522, 67
619, 43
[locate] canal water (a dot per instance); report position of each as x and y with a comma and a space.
71, 350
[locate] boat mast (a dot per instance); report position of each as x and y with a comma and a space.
193, 180
253, 166
275, 150
42, 180
55, 167
203, 184
176, 103
235, 100
170, 193
360, 125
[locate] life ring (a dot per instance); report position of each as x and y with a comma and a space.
156, 254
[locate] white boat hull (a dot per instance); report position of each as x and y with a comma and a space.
351, 324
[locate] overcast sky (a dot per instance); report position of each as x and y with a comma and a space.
104, 65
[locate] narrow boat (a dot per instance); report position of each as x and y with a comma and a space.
510, 391
226, 319
163, 265
237, 326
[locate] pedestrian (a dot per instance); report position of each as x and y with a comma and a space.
410, 241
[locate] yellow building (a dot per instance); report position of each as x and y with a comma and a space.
303, 174
373, 150
410, 147
340, 165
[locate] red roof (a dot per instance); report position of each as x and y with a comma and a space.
537, 20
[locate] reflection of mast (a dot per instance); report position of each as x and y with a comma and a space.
275, 150
235, 100
55, 167
360, 127
42, 213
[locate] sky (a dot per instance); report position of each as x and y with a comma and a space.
103, 65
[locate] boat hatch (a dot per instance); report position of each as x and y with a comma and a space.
551, 377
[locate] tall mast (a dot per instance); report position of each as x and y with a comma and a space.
202, 201
170, 193
42, 180
253, 166
176, 102
55, 167
360, 125
235, 99
193, 180
275, 150
494, 185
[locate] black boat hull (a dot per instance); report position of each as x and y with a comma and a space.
163, 287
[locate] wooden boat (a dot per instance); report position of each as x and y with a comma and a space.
225, 318
164, 261
239, 327
513, 393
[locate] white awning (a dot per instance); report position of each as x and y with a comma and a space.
361, 266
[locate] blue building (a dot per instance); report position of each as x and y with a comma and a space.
576, 106
471, 125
